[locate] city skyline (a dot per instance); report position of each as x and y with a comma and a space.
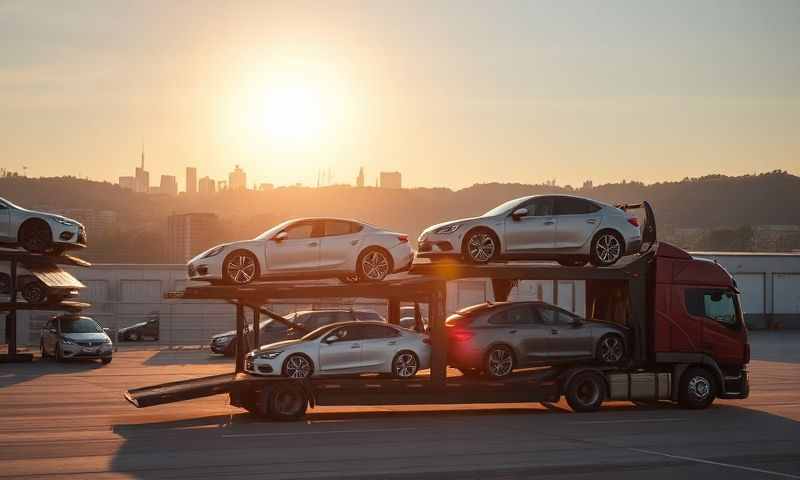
628, 90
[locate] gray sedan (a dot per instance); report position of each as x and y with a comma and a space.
495, 338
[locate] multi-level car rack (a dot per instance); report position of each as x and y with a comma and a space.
47, 269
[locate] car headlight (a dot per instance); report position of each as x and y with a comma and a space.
213, 251
64, 222
225, 339
67, 341
107, 341
447, 228
270, 355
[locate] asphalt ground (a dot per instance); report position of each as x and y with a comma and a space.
70, 421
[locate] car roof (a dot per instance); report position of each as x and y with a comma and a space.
333, 310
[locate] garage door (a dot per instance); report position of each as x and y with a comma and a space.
752, 287
786, 293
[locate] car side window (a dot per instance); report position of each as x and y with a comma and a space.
540, 207
521, 315
574, 206
337, 227
555, 317
299, 231
379, 331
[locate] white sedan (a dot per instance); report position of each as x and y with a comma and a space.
307, 248
345, 348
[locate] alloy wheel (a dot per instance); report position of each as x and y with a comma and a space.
611, 349
375, 265
241, 269
405, 365
608, 248
481, 247
699, 387
500, 362
298, 366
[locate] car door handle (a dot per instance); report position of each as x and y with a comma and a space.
554, 331
313, 244
592, 221
392, 343
355, 345
549, 222
354, 242
512, 331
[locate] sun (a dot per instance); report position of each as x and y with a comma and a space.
294, 114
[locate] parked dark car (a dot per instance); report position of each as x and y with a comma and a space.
272, 331
147, 330
496, 338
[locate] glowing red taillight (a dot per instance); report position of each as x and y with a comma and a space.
403, 238
461, 335
633, 221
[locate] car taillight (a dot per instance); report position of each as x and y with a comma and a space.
633, 221
403, 238
462, 335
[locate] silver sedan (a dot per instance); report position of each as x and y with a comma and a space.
345, 348
571, 230
38, 232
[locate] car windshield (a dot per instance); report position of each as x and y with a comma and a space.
79, 325
274, 230
504, 207
314, 334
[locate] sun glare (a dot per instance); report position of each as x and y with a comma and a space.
293, 113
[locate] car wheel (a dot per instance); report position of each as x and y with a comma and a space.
34, 292
481, 246
499, 362
698, 389
240, 268
35, 237
287, 402
586, 392
374, 264
405, 364
611, 349
607, 248
297, 366
106, 361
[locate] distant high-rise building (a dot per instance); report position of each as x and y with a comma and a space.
189, 234
207, 186
127, 183
191, 180
142, 180
391, 180
222, 185
360, 177
168, 185
237, 179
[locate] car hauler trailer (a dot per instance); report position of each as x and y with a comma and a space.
678, 349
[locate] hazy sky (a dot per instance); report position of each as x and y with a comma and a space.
449, 93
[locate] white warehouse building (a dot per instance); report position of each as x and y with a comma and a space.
122, 295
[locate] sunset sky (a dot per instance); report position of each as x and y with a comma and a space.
449, 93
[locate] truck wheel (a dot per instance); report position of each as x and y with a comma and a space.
586, 392
287, 402
698, 389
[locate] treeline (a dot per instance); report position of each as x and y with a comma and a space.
714, 202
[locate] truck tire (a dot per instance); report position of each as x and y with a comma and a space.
698, 389
585, 392
287, 401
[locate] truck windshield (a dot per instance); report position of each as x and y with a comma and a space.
714, 303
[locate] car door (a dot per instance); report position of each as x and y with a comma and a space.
518, 327
378, 346
531, 232
339, 242
719, 313
298, 252
570, 337
576, 220
344, 354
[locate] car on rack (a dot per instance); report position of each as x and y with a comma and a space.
496, 338
344, 349
69, 336
307, 248
568, 229
147, 330
38, 232
34, 291
408, 317
306, 321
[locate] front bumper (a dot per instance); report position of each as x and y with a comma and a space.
70, 237
104, 350
263, 366
220, 347
439, 245
737, 388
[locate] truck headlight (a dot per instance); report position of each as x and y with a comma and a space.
447, 228
270, 355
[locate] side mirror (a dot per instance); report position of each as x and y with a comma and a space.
106, 330
331, 338
519, 213
281, 236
